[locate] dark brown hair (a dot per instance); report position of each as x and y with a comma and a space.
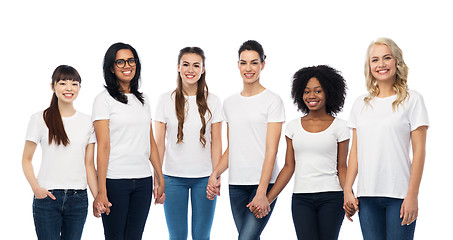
202, 96
51, 115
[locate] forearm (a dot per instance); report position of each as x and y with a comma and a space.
282, 180
418, 138
29, 173
102, 164
222, 165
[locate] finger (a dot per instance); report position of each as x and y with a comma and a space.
51, 195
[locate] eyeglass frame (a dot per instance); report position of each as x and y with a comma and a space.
126, 61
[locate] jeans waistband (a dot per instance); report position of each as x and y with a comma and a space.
67, 191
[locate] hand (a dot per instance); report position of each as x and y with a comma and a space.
213, 187
409, 210
159, 190
41, 193
101, 205
350, 205
259, 205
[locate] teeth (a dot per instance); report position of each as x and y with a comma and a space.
127, 72
382, 71
312, 104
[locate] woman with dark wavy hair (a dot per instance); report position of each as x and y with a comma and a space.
122, 122
60, 203
316, 151
188, 124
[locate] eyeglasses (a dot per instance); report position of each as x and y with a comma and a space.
121, 63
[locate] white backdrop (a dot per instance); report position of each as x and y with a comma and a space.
37, 36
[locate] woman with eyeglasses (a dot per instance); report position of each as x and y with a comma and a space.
60, 203
122, 122
188, 123
254, 122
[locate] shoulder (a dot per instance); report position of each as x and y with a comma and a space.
166, 96
37, 116
232, 98
104, 95
83, 116
213, 98
414, 95
272, 95
340, 122
293, 123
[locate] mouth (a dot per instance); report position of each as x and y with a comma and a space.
384, 71
68, 95
190, 76
127, 73
312, 103
249, 75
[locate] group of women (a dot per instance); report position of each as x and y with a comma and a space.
185, 150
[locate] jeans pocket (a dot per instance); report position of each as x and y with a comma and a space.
44, 198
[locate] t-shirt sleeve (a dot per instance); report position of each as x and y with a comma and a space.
352, 120
101, 108
148, 106
216, 111
418, 115
33, 130
289, 132
344, 133
159, 114
276, 111
224, 114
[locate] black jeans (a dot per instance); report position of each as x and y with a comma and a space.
317, 216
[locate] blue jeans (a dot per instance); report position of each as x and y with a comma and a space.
317, 215
176, 207
380, 219
249, 227
131, 200
62, 218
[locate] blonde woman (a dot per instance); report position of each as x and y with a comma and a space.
386, 123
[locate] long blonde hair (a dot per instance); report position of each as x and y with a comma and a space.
400, 84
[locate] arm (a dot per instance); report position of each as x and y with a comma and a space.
27, 167
342, 155
159, 190
285, 174
92, 177
213, 187
409, 208
160, 129
101, 128
350, 202
260, 201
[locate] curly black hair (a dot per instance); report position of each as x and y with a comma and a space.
331, 82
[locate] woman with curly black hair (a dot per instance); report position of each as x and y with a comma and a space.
317, 148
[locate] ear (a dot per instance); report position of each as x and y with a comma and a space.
179, 68
52, 87
111, 70
263, 64
202, 71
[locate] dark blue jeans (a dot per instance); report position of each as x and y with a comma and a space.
62, 218
317, 216
380, 219
176, 207
131, 200
249, 227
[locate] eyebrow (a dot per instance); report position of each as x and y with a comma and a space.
250, 61
189, 62
383, 56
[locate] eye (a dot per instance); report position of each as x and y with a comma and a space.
196, 65
131, 60
75, 84
374, 60
306, 92
62, 83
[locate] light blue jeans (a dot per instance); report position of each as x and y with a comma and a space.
380, 219
177, 191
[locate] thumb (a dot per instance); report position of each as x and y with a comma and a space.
402, 210
110, 204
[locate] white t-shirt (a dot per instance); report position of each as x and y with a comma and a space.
62, 167
189, 158
247, 119
129, 126
384, 143
316, 156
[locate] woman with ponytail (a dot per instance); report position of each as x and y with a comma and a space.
122, 122
60, 203
188, 124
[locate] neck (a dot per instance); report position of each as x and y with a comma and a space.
386, 89
125, 87
190, 90
66, 109
251, 89
318, 115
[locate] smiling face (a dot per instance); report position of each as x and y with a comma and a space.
126, 74
190, 69
314, 96
382, 63
250, 66
66, 91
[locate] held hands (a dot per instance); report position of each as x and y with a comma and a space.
213, 187
259, 206
101, 205
350, 205
409, 210
159, 191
